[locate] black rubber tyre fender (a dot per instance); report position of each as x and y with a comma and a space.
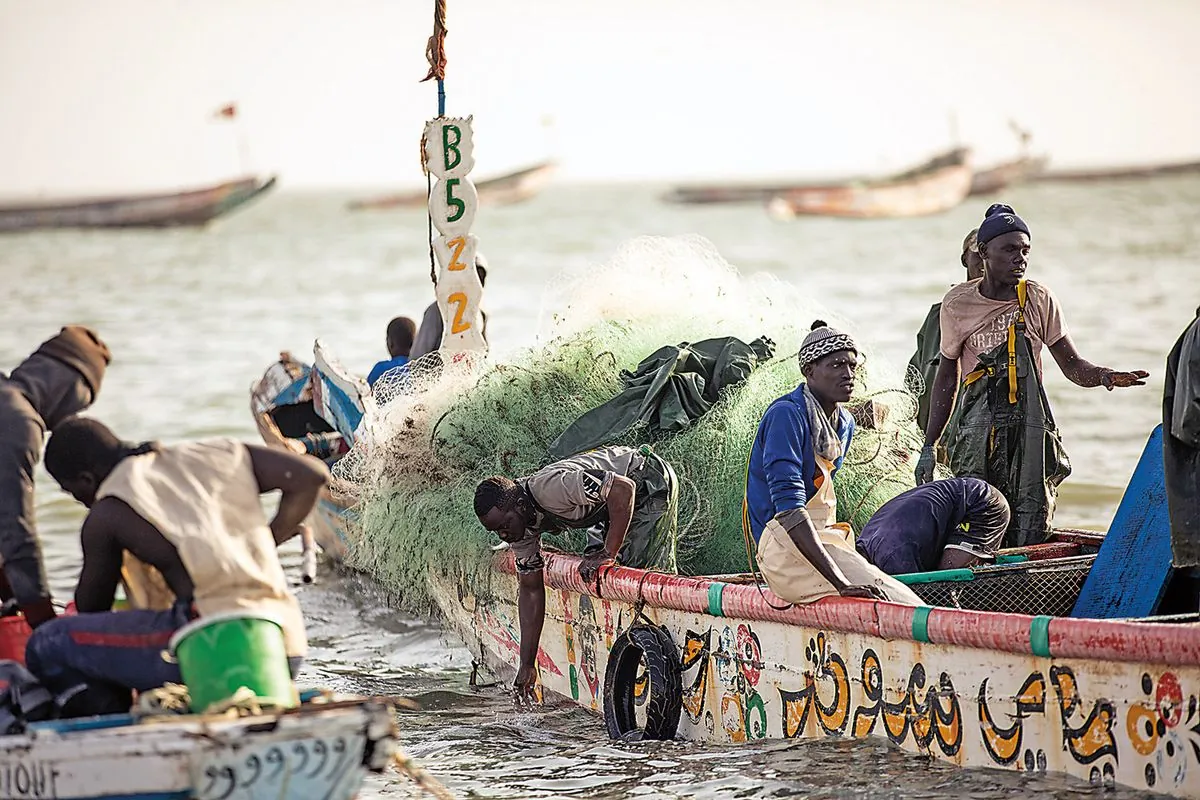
653, 644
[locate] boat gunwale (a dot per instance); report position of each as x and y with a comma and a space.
1165, 643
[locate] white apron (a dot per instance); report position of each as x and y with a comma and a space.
793, 578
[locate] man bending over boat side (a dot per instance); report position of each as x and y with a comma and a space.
625, 498
1002, 429
946, 524
790, 508
60, 379
192, 511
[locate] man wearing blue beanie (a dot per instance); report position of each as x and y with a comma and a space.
1001, 429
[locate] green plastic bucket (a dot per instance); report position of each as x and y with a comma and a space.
221, 653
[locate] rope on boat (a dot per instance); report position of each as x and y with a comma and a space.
421, 777
435, 54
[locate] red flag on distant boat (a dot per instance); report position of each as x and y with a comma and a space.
226, 112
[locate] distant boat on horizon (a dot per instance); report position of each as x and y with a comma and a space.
1120, 172
1007, 174
506, 189
189, 207
937, 185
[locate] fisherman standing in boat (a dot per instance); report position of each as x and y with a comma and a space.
192, 512
61, 378
625, 498
929, 338
1181, 458
993, 330
790, 508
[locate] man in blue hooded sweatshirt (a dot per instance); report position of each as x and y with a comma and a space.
790, 508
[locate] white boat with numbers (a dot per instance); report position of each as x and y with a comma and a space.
318, 750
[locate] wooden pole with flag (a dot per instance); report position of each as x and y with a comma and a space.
229, 112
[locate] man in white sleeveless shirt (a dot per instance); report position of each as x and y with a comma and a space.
192, 511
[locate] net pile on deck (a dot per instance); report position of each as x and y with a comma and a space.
444, 427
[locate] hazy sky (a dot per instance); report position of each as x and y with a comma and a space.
117, 94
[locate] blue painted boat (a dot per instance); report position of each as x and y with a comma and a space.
318, 750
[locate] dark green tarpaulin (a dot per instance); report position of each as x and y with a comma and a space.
670, 388
1013, 446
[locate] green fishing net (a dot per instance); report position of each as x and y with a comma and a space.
442, 429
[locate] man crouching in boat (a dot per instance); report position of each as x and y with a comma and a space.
192, 512
626, 499
790, 507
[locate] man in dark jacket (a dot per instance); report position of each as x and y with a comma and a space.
59, 380
1181, 448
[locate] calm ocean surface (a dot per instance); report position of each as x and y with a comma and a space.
194, 317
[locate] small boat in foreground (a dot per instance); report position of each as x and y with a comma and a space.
512, 187
317, 750
193, 207
935, 186
1006, 174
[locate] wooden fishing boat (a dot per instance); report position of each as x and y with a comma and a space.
1121, 173
315, 750
193, 207
704, 194
512, 187
287, 414
1109, 701
935, 186
1007, 174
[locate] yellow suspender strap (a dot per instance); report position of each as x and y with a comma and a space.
1012, 344
974, 376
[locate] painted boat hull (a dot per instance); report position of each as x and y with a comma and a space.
936, 186
512, 187
190, 208
1105, 701
313, 751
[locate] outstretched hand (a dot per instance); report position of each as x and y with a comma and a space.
589, 565
1123, 379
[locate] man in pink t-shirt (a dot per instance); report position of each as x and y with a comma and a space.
975, 320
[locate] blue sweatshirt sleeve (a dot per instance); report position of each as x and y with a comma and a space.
785, 440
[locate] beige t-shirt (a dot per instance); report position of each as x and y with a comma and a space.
973, 324
572, 489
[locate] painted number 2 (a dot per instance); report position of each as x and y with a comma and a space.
459, 300
458, 243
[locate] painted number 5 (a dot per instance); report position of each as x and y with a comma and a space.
453, 202
459, 300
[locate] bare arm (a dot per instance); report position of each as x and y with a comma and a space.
941, 399
299, 478
531, 607
620, 513
102, 555
1082, 372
